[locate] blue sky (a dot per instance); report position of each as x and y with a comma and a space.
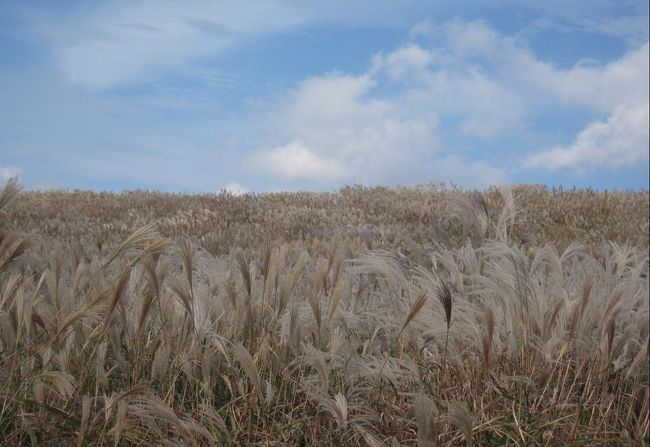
199, 96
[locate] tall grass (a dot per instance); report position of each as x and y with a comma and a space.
462, 332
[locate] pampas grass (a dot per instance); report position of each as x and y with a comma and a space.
305, 319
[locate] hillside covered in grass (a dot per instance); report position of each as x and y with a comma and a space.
369, 316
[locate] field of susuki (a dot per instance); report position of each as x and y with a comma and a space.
369, 316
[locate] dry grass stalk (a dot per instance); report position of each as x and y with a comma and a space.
460, 417
488, 337
443, 293
250, 368
544, 344
426, 414
416, 307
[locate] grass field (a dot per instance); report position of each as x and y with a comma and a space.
371, 316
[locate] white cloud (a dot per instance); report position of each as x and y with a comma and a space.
598, 87
621, 140
332, 99
423, 28
336, 115
618, 91
474, 82
6, 172
466, 46
514, 67
297, 161
337, 132
404, 61
486, 107
519, 83
476, 38
236, 189
452, 78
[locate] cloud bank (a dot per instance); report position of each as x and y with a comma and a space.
460, 78
621, 140
140, 94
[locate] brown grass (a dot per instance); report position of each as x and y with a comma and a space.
308, 319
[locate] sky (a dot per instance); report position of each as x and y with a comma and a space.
264, 95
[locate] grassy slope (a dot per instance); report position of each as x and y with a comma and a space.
369, 316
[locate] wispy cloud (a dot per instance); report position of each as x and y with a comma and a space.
111, 44
124, 42
627, 19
